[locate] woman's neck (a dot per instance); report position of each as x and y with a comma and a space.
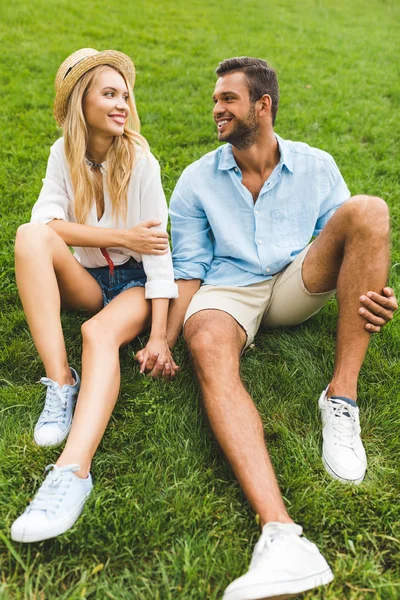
97, 148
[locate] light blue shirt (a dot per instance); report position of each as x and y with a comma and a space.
221, 236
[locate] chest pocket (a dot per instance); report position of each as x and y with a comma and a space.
289, 227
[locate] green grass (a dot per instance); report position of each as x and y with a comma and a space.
167, 519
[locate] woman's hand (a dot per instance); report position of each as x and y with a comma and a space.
156, 359
143, 239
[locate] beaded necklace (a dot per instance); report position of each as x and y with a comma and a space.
93, 164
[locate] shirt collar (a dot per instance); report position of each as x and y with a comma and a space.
286, 155
227, 160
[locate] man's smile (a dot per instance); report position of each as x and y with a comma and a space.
221, 122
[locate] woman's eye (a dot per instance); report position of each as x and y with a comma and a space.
109, 94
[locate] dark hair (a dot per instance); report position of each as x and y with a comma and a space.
261, 79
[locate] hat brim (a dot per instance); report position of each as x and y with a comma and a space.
113, 58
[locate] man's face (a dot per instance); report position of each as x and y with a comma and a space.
234, 114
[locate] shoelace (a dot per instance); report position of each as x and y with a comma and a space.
345, 424
265, 544
53, 489
56, 402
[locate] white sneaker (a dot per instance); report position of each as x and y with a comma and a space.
343, 453
55, 421
283, 565
56, 506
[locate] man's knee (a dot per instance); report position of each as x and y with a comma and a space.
368, 214
200, 334
209, 333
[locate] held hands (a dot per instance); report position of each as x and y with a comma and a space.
156, 360
143, 239
378, 309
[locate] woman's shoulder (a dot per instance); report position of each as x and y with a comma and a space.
58, 149
145, 160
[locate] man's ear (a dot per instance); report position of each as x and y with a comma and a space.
265, 104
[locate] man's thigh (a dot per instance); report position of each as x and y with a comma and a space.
291, 303
245, 305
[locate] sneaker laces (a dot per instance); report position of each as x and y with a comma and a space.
56, 403
271, 537
53, 488
345, 423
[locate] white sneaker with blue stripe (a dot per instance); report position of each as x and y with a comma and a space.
343, 453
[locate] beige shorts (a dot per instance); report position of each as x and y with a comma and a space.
281, 301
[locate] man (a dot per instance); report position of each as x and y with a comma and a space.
242, 218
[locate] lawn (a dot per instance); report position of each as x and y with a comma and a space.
166, 519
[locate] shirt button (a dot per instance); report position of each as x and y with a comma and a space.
267, 270
256, 212
260, 242
236, 169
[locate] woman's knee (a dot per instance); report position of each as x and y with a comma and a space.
95, 333
31, 237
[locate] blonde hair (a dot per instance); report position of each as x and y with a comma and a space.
120, 155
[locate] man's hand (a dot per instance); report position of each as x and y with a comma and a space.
378, 309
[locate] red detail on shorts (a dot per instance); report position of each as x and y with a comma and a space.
108, 259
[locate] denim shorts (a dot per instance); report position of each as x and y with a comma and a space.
124, 277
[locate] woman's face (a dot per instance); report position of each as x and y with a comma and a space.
105, 105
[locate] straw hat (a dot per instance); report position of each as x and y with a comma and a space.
79, 63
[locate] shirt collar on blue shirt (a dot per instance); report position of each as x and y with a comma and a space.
227, 160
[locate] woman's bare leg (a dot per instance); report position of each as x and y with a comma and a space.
103, 335
47, 274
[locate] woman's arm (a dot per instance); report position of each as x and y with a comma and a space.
176, 315
142, 239
158, 269
55, 207
156, 355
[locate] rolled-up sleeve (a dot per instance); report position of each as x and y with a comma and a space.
191, 233
53, 201
335, 193
153, 206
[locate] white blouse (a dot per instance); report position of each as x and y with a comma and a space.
146, 201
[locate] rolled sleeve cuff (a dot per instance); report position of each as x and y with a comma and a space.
44, 215
195, 272
161, 289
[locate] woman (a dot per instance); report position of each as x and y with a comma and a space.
102, 195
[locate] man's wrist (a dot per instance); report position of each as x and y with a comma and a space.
172, 337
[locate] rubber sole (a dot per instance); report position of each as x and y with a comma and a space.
332, 473
61, 527
55, 442
280, 590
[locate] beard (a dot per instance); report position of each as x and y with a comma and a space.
244, 132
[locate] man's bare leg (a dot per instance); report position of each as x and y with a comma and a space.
351, 254
215, 341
